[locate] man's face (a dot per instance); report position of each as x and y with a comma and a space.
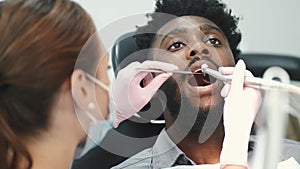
191, 42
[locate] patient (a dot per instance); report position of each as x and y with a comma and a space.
205, 32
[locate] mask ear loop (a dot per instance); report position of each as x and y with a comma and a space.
91, 106
99, 83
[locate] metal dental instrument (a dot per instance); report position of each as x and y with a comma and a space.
162, 71
254, 82
249, 81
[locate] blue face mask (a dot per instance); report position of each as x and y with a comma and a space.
99, 128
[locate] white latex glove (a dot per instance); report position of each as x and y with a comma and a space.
128, 95
240, 108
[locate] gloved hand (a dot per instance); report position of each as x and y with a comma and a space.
240, 108
128, 95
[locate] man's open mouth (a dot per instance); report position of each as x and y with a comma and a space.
201, 79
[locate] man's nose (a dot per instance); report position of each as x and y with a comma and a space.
197, 53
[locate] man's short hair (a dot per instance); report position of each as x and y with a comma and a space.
213, 10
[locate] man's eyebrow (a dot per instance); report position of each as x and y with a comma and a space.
174, 32
207, 27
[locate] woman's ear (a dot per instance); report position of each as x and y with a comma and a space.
81, 88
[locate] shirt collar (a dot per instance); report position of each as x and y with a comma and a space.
165, 152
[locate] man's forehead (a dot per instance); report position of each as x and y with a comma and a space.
181, 24
185, 25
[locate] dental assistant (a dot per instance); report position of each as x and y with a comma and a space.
50, 60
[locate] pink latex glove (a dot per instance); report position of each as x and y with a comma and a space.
128, 95
240, 108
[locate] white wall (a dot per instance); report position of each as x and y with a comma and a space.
270, 26
114, 18
105, 12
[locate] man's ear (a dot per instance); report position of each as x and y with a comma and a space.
81, 88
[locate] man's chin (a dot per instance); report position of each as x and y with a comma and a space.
205, 102
188, 105
211, 104
197, 115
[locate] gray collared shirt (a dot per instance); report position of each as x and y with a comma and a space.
164, 153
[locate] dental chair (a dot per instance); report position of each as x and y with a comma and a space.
150, 127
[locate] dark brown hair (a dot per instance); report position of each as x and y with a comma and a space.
40, 43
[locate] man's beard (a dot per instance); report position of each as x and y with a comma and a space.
192, 118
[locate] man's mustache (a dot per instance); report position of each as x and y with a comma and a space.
195, 59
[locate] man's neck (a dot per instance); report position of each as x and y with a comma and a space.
207, 152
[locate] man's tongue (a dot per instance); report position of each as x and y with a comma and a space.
201, 79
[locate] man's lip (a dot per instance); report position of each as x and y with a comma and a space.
197, 65
204, 90
201, 80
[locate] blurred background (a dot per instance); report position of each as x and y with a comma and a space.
268, 26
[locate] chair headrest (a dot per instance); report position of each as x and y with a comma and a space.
124, 46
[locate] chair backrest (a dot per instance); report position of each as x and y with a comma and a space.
123, 47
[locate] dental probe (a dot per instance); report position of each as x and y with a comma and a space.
254, 82
173, 71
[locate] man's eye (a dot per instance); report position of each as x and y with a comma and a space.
214, 41
176, 46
